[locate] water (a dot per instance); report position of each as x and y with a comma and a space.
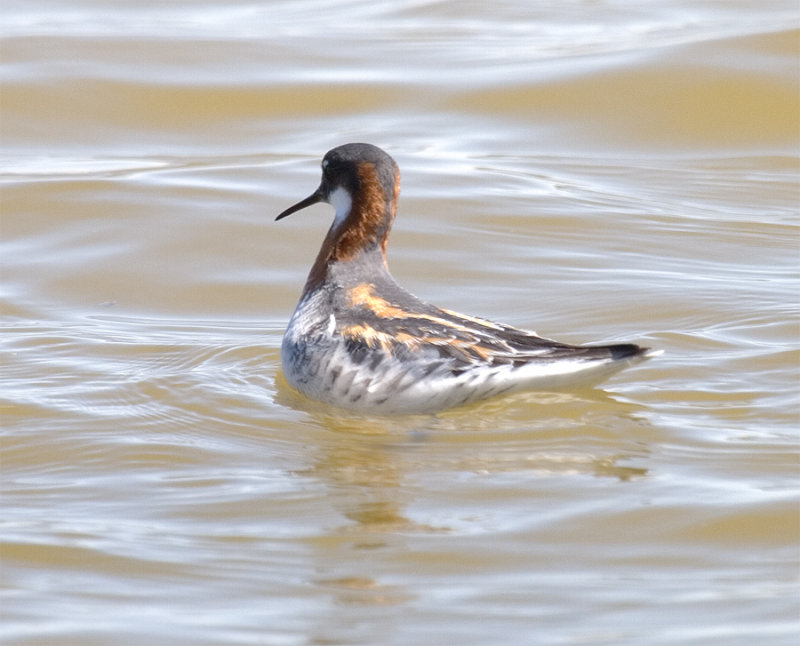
605, 171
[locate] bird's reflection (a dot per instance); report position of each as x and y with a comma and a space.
378, 472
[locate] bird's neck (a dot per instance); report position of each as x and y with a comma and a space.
360, 228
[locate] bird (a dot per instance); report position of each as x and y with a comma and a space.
359, 341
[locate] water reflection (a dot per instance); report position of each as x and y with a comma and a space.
372, 465
387, 476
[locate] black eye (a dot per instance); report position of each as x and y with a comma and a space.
328, 168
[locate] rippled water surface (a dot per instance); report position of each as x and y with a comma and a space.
597, 171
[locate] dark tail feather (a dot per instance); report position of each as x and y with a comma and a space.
626, 350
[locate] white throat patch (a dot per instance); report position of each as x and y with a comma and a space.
341, 201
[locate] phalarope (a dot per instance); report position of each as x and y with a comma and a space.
360, 341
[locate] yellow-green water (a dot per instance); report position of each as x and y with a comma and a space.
605, 171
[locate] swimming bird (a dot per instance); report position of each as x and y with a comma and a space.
358, 340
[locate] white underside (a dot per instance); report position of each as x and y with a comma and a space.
395, 387
320, 367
